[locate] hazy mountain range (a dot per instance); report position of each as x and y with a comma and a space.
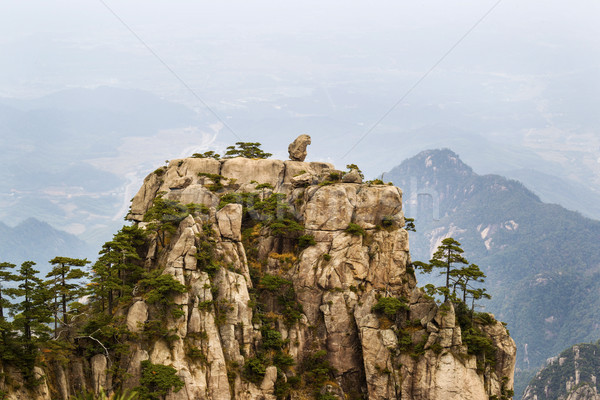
34, 240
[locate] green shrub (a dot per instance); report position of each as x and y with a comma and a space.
355, 229
481, 346
160, 171
271, 339
317, 369
436, 348
254, 369
387, 221
207, 154
283, 361
273, 283
327, 257
389, 306
484, 318
305, 241
161, 288
157, 380
205, 305
247, 150
216, 178
265, 186
334, 176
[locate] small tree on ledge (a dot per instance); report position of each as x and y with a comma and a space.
246, 150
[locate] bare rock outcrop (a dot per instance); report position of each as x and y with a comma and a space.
297, 149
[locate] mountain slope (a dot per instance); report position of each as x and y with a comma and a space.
542, 261
570, 376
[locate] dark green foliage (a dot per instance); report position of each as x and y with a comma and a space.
157, 329
387, 221
207, 154
8, 349
410, 224
216, 179
254, 369
480, 345
164, 217
334, 177
291, 309
264, 186
157, 380
118, 268
205, 305
271, 339
305, 241
160, 288
274, 283
272, 212
31, 318
283, 360
404, 340
317, 369
436, 348
246, 150
390, 306
196, 353
160, 171
205, 256
282, 388
355, 229
65, 284
194, 208
327, 257
446, 258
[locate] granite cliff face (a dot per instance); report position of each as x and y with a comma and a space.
295, 277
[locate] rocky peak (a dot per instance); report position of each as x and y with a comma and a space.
298, 285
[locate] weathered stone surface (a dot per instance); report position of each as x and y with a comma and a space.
329, 207
297, 149
261, 171
374, 203
99, 363
142, 201
296, 168
303, 180
352, 177
136, 316
230, 221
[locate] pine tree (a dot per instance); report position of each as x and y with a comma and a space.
31, 316
118, 269
446, 256
464, 276
164, 217
247, 150
65, 283
6, 328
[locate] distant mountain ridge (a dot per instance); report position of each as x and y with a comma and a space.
542, 261
38, 241
572, 375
